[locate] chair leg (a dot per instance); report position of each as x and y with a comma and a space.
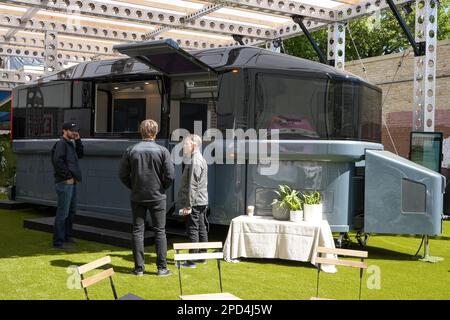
179, 275
360, 282
220, 275
85, 289
113, 288
318, 278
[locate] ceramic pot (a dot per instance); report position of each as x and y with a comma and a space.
312, 212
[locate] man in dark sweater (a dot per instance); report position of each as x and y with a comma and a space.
67, 173
147, 170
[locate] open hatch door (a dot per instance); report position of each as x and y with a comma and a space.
165, 56
401, 197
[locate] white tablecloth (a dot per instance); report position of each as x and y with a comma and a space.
265, 237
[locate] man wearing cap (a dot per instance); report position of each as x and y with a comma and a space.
65, 155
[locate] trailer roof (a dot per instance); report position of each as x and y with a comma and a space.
219, 59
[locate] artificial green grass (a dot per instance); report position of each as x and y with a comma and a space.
31, 269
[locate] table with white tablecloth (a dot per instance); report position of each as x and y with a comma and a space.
265, 237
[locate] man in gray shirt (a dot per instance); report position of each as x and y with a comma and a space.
147, 169
193, 194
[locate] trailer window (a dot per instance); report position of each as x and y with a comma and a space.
294, 106
370, 114
120, 107
355, 110
41, 110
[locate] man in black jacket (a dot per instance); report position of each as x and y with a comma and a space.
67, 172
147, 169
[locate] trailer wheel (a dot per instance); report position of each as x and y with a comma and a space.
343, 241
362, 238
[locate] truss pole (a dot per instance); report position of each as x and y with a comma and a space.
425, 66
336, 44
51, 63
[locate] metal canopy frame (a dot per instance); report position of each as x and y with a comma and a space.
66, 32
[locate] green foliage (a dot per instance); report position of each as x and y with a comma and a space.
6, 107
7, 162
312, 197
373, 36
288, 198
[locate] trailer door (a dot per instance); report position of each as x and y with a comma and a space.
165, 56
401, 197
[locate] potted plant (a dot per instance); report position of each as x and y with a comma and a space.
295, 206
280, 208
312, 206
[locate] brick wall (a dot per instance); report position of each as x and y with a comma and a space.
399, 102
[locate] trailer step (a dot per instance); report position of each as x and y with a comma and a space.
13, 205
101, 235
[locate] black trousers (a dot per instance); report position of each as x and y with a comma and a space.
196, 226
157, 211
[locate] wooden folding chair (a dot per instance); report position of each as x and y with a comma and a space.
218, 255
361, 265
85, 283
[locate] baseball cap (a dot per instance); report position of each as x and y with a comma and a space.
70, 125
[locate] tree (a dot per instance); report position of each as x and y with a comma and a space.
372, 36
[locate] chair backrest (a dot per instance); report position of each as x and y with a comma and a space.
197, 256
108, 273
361, 265
217, 255
342, 252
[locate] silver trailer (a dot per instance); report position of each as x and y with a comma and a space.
329, 122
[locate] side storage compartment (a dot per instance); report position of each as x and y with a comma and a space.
401, 197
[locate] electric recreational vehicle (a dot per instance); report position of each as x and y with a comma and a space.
329, 125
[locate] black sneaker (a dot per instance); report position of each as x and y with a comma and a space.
70, 240
164, 272
201, 262
138, 272
189, 264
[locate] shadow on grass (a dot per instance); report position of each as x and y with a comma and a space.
150, 264
279, 262
378, 253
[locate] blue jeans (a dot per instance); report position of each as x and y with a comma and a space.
65, 212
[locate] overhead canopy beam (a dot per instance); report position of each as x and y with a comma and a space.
361, 10
17, 76
65, 46
101, 33
283, 8
12, 50
27, 16
185, 20
148, 16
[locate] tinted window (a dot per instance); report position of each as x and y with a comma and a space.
231, 104
308, 108
370, 114
41, 110
343, 110
294, 106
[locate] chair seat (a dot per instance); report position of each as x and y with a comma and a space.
211, 296
130, 296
